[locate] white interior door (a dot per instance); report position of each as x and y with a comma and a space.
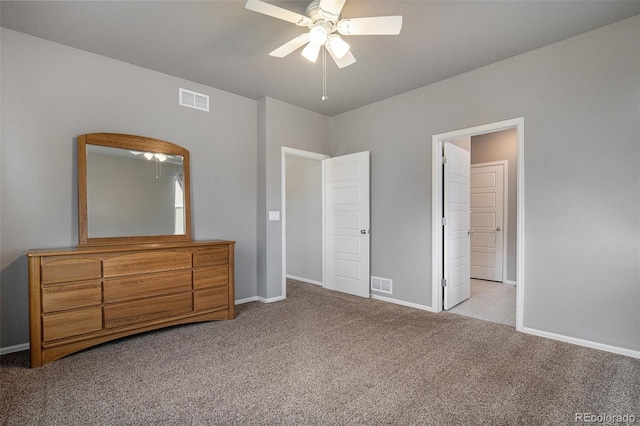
487, 221
347, 218
457, 286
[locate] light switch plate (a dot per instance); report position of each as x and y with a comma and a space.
274, 216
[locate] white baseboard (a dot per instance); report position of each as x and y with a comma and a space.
271, 300
14, 348
510, 282
403, 303
246, 300
305, 280
258, 299
580, 342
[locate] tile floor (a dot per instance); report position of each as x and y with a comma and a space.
490, 301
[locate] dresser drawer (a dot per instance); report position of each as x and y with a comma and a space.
122, 314
211, 298
212, 256
139, 286
60, 270
146, 262
211, 276
71, 323
71, 296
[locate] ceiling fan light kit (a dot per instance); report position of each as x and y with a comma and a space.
323, 21
338, 45
311, 51
318, 34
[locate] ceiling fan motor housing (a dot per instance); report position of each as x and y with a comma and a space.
317, 14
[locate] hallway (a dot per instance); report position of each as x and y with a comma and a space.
490, 301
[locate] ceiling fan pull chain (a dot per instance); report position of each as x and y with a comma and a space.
324, 74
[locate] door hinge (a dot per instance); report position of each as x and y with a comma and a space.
444, 159
444, 221
443, 282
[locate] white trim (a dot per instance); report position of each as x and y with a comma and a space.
305, 280
284, 151
436, 209
509, 282
403, 303
258, 299
14, 348
246, 300
271, 300
505, 209
580, 342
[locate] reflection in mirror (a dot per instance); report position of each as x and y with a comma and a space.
132, 192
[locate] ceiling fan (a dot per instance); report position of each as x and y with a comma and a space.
323, 21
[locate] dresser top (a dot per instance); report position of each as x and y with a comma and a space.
124, 247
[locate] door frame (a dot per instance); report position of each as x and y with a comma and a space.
505, 211
437, 209
284, 151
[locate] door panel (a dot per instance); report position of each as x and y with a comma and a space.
456, 236
347, 214
487, 211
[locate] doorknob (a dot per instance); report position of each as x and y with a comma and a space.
364, 231
498, 229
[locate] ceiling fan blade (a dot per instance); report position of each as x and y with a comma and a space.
379, 25
290, 46
277, 12
330, 9
346, 60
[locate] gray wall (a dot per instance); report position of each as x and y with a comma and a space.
281, 125
304, 217
580, 99
582, 193
500, 146
51, 94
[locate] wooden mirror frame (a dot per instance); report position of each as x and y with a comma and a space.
137, 143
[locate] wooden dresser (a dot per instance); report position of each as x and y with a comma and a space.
81, 297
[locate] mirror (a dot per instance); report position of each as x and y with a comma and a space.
132, 189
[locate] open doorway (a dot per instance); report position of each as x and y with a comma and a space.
494, 265
303, 205
492, 227
326, 200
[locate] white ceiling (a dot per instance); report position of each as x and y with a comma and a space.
223, 45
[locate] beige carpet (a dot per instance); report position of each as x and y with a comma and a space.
323, 358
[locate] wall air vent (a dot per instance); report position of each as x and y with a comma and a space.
383, 285
194, 100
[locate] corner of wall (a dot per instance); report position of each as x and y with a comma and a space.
261, 218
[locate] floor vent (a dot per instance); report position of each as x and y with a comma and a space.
194, 100
383, 285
